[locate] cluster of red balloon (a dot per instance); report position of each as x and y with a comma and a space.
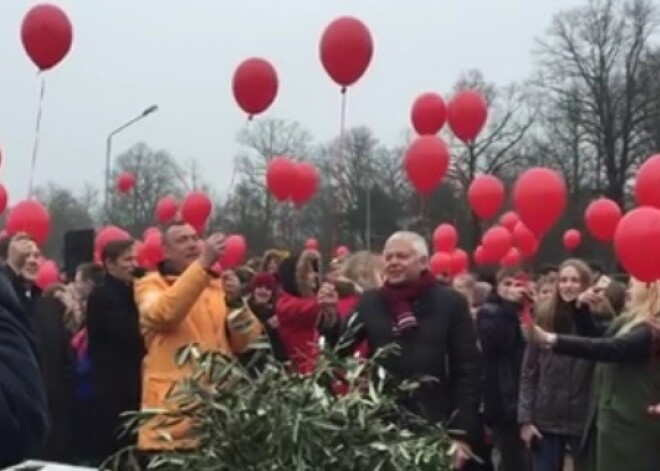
448, 260
290, 180
427, 158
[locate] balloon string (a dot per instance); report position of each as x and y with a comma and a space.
340, 161
37, 133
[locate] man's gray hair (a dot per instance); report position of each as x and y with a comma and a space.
415, 240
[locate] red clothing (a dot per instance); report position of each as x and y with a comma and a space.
298, 318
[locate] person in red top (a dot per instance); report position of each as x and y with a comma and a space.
300, 307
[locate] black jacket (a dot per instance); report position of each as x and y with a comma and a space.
23, 417
116, 350
57, 363
503, 347
443, 346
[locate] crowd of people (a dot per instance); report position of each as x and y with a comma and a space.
548, 371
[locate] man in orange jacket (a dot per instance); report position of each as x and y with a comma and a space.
183, 303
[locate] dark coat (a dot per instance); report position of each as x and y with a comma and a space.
116, 350
443, 346
624, 435
23, 411
555, 389
56, 360
503, 347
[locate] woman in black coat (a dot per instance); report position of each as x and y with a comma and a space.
116, 350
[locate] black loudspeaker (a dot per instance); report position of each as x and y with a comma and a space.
78, 248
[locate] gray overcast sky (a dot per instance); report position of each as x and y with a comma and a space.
129, 54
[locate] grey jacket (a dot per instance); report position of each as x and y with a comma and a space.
554, 391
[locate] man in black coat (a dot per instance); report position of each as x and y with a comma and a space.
502, 342
433, 328
23, 412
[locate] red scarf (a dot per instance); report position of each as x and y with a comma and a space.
399, 299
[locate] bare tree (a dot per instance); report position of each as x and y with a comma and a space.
67, 212
590, 68
157, 174
511, 115
261, 141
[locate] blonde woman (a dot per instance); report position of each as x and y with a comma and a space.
360, 272
626, 435
554, 389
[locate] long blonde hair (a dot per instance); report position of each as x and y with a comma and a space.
646, 309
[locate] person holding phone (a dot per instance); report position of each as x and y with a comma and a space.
179, 304
554, 389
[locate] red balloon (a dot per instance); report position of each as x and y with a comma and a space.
539, 196
108, 234
235, 252
459, 262
125, 182
601, 218
142, 258
3, 198
31, 217
152, 249
509, 220
440, 263
346, 49
48, 274
311, 244
572, 239
636, 243
486, 196
445, 238
47, 35
479, 256
525, 240
512, 258
467, 114
280, 173
150, 230
342, 251
496, 242
196, 209
426, 163
304, 185
428, 114
166, 209
647, 182
255, 85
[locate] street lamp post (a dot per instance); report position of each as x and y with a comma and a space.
108, 151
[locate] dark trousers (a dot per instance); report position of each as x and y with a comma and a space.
549, 452
511, 449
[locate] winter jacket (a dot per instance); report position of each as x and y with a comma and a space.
116, 351
298, 311
23, 407
177, 310
554, 389
443, 346
503, 347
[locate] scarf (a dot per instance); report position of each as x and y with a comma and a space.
399, 299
